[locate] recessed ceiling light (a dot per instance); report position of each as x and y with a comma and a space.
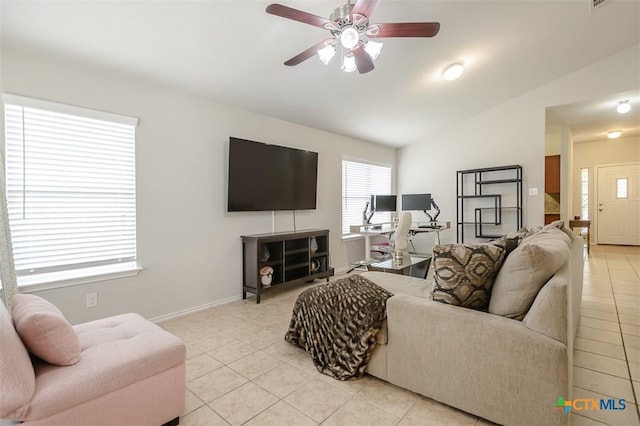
453, 71
614, 134
623, 107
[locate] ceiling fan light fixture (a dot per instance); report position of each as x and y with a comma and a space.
349, 38
453, 71
614, 134
373, 48
348, 62
326, 53
623, 107
351, 29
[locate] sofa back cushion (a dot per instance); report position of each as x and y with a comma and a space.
526, 270
464, 273
17, 378
44, 330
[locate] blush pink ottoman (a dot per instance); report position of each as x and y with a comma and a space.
129, 372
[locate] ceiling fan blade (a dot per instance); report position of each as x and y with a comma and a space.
299, 15
404, 29
364, 63
365, 7
303, 56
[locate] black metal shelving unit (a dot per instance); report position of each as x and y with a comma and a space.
494, 213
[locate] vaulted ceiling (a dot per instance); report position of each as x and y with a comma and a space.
233, 52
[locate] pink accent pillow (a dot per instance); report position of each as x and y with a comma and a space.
44, 330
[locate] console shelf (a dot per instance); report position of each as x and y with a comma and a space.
292, 255
486, 212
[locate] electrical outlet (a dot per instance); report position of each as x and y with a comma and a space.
533, 191
92, 300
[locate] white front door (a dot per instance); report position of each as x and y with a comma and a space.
618, 204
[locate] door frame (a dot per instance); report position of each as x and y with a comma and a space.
596, 170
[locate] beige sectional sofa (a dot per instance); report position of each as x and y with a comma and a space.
505, 370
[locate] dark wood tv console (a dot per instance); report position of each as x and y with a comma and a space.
295, 257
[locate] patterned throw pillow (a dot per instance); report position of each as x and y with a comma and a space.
508, 244
511, 241
464, 273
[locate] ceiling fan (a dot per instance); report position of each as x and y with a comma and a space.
349, 26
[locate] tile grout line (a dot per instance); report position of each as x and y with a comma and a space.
595, 353
589, 418
598, 392
624, 348
603, 372
633, 388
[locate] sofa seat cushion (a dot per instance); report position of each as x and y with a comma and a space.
44, 330
398, 284
401, 284
115, 352
526, 270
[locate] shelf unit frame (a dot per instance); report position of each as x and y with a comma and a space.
481, 178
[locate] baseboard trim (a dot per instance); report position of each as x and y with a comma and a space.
343, 270
194, 309
339, 271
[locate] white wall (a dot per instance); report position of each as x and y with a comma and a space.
552, 144
510, 133
552, 147
599, 153
188, 244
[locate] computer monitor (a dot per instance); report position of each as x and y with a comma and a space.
416, 202
383, 203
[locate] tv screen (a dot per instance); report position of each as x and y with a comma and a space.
416, 201
270, 177
383, 203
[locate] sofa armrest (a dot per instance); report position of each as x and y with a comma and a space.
485, 364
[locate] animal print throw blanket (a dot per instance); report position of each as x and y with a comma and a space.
337, 324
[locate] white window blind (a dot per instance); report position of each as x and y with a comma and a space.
359, 181
70, 186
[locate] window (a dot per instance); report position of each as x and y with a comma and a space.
70, 187
584, 193
621, 187
359, 181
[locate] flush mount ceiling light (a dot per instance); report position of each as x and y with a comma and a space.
349, 27
453, 71
614, 134
623, 107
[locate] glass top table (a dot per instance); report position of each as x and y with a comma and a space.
411, 264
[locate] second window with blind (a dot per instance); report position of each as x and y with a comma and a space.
359, 181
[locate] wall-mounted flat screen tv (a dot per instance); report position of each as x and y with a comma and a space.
270, 177
416, 202
383, 203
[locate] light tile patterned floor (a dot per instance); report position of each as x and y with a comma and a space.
240, 370
606, 356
